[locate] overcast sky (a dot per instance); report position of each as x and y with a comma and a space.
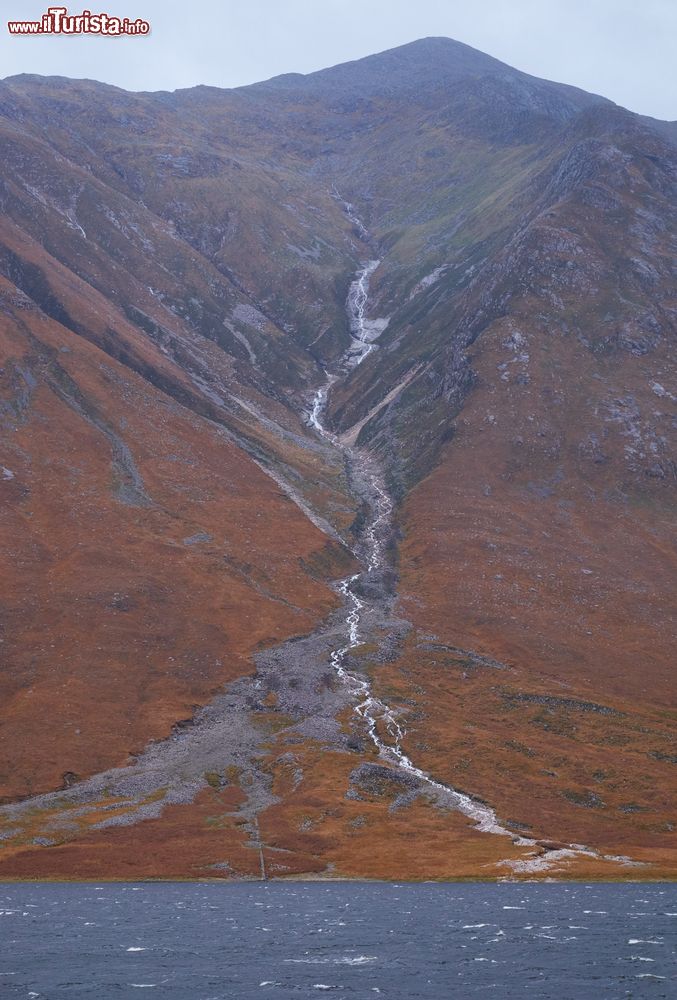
622, 49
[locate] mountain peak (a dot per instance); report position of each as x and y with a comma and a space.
426, 62
417, 71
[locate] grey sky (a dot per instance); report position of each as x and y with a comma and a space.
623, 49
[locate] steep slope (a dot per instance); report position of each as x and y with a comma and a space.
176, 270
142, 558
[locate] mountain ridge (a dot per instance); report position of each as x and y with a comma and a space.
430, 44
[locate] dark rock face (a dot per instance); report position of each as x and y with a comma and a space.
373, 779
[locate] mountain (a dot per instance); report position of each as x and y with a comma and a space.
497, 474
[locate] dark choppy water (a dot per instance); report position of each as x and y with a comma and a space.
216, 941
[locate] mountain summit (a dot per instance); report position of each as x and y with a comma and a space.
416, 72
421, 66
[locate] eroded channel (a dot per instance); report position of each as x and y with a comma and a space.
383, 723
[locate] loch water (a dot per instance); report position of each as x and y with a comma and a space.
219, 941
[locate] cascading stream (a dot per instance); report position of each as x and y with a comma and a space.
368, 707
